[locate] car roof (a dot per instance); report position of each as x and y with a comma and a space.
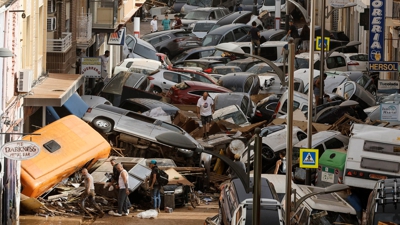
207, 8
226, 28
155, 34
225, 99
203, 85
353, 75
318, 138
152, 103
227, 19
274, 43
270, 32
241, 191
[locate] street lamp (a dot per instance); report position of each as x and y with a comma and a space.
322, 55
319, 191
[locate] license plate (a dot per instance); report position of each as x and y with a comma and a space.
328, 177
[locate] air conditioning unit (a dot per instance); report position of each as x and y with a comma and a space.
51, 6
51, 23
25, 79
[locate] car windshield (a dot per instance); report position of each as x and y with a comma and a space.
259, 68
272, 2
205, 3
179, 57
301, 63
203, 27
147, 53
197, 15
211, 39
215, 26
115, 86
225, 71
237, 117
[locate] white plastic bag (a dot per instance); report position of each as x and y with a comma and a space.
151, 213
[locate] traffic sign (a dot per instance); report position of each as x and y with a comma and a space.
326, 43
308, 158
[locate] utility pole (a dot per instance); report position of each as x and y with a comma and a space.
322, 55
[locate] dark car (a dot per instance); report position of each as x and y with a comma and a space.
194, 53
234, 193
189, 92
172, 42
207, 13
127, 85
273, 34
260, 68
226, 69
265, 109
236, 17
206, 65
243, 100
146, 104
241, 82
362, 79
176, 8
227, 33
244, 64
247, 5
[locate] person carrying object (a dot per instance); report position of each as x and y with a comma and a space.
205, 109
154, 186
89, 192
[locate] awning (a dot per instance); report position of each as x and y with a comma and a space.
54, 90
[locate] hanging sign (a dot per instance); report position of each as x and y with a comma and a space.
377, 30
20, 150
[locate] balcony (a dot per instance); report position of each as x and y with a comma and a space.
84, 31
104, 14
60, 45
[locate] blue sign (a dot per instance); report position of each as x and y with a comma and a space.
308, 158
327, 42
383, 66
377, 30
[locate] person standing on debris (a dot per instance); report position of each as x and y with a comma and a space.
317, 91
153, 24
123, 192
166, 22
280, 166
178, 22
114, 176
305, 37
104, 62
89, 192
254, 33
154, 186
237, 161
294, 33
205, 109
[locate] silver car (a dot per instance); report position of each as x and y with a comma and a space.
106, 118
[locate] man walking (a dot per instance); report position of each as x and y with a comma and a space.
123, 192
153, 23
254, 32
154, 186
205, 109
89, 192
166, 22
294, 33
104, 62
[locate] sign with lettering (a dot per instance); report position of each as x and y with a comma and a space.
117, 38
377, 30
20, 150
384, 66
91, 67
389, 112
388, 84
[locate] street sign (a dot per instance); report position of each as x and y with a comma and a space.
91, 67
384, 66
117, 38
338, 3
326, 43
308, 158
390, 111
388, 84
377, 30
20, 150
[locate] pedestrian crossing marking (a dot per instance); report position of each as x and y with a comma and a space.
309, 159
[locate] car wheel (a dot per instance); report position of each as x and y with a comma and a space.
267, 152
103, 125
157, 90
166, 52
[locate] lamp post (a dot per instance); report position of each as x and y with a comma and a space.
322, 55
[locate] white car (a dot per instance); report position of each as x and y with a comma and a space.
201, 27
357, 61
128, 63
336, 61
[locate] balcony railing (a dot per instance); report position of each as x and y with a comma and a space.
60, 45
84, 28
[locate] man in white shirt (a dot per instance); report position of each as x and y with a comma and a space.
123, 192
205, 109
104, 61
153, 23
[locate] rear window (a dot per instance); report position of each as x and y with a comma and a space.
203, 27
182, 86
211, 39
145, 52
197, 15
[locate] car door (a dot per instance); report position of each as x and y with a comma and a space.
170, 79
228, 37
241, 35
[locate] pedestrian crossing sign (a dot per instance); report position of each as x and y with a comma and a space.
308, 158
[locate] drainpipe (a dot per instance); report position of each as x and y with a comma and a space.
59, 17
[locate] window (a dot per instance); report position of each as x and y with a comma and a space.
171, 77
202, 27
340, 61
193, 56
212, 16
163, 38
331, 63
211, 39
185, 78
295, 106
305, 108
145, 52
197, 15
218, 14
247, 85
239, 33
348, 90
269, 53
206, 53
277, 37
128, 65
271, 106
131, 106
333, 143
246, 49
228, 37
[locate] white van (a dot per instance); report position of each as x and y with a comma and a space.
300, 101
373, 154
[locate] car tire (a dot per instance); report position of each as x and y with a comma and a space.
166, 52
157, 90
102, 124
267, 152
